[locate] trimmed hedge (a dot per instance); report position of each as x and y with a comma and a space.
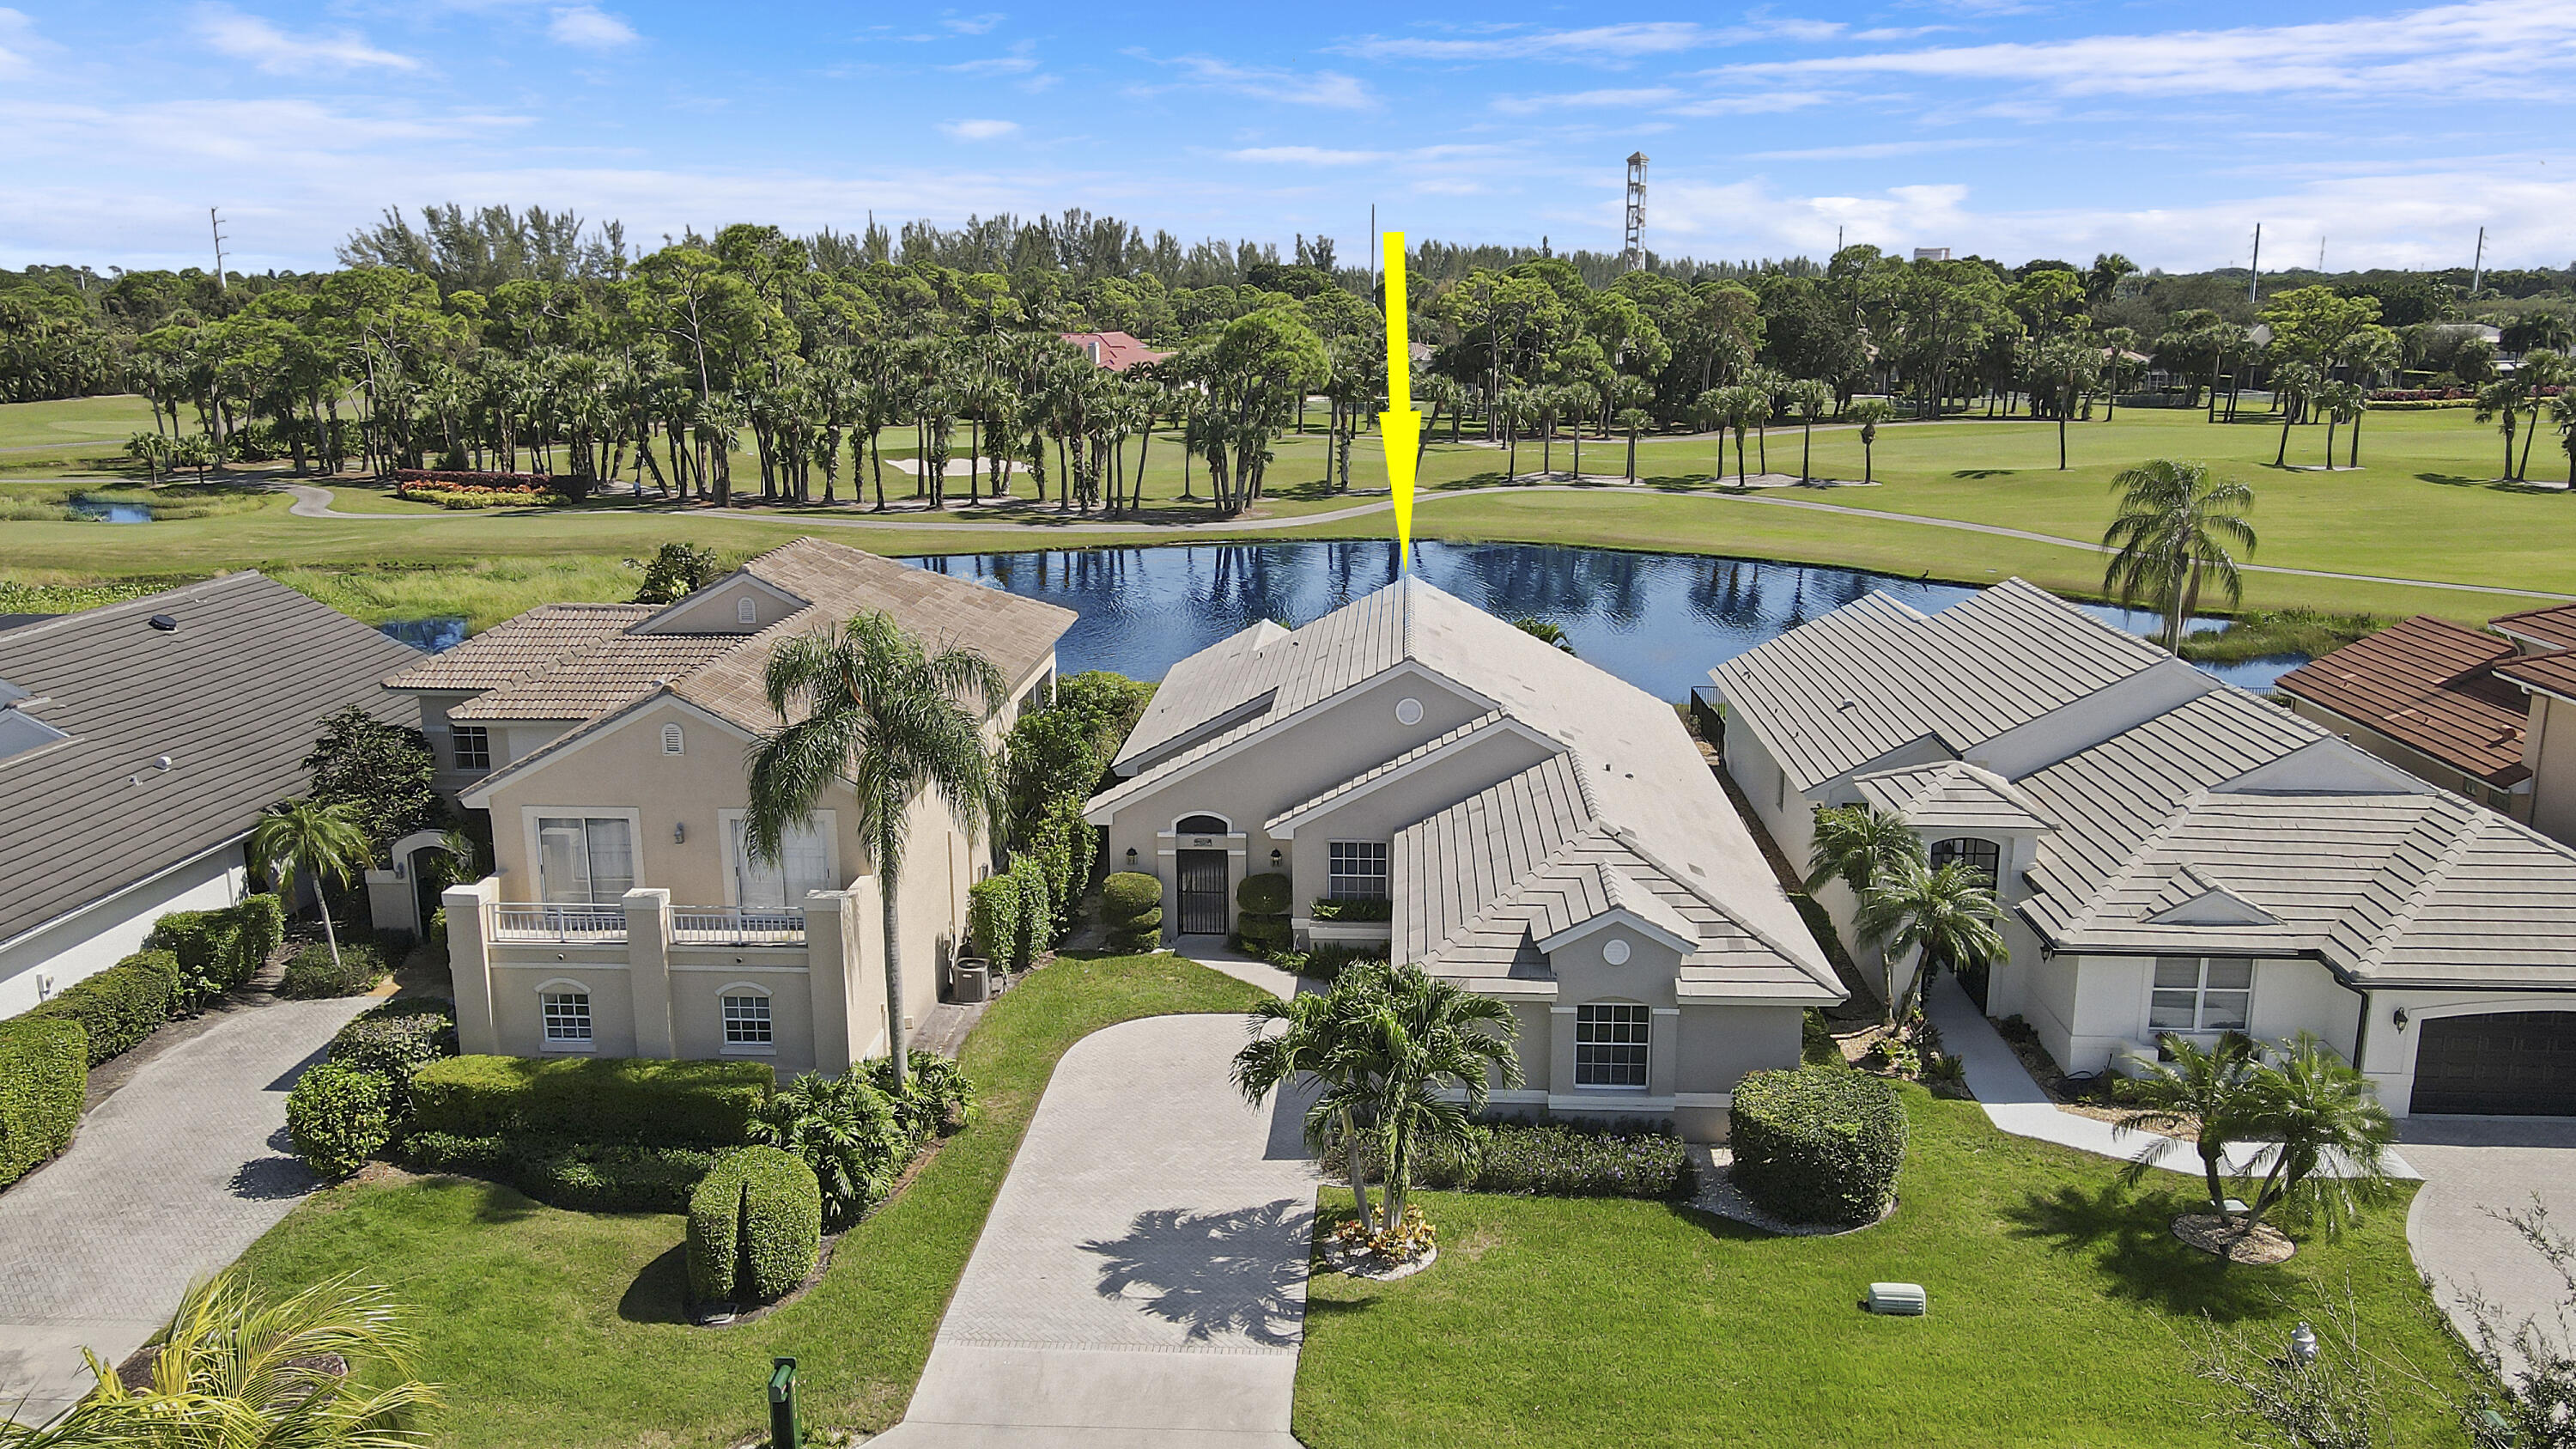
1369, 909
755, 1227
396, 1040
605, 1177
661, 1103
222, 948
1037, 908
44, 1080
121, 1005
993, 920
1131, 906
1266, 894
339, 1116
312, 974
1819, 1144
1261, 917
1559, 1159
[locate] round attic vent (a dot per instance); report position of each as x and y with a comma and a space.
164, 623
1615, 950
1408, 711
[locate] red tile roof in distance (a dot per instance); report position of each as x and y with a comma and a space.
2553, 628
1114, 350
2431, 685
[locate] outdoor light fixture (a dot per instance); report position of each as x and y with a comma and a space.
1274, 855
2303, 1344
2399, 1016
679, 832
1131, 856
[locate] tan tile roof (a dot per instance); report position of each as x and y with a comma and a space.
2548, 673
2430, 685
600, 676
519, 648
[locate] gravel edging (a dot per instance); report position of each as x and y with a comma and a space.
1718, 1194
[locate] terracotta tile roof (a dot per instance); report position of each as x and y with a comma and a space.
1114, 350
2552, 628
2548, 673
2432, 686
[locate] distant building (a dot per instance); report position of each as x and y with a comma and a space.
1114, 350
1931, 254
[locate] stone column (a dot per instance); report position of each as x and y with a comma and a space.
469, 958
648, 969
831, 958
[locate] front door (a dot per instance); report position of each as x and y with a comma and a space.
1203, 895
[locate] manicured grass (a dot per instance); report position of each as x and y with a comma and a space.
564, 1329
84, 435
2063, 1313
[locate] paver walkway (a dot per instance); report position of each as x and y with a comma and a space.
2474, 1168
170, 1179
1142, 1278
2015, 1103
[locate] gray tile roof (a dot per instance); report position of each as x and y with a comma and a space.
1951, 794
235, 696
1871, 677
1491, 719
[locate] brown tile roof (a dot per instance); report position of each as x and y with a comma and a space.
599, 676
2553, 627
520, 648
2430, 685
2549, 673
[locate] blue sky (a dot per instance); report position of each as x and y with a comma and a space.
2009, 127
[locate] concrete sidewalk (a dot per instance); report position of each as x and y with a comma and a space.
2015, 1103
169, 1180
2476, 1168
1142, 1278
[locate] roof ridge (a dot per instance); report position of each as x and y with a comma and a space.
192, 589
2147, 845
2467, 834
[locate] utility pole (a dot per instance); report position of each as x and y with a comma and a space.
2254, 282
2321, 254
215, 221
1634, 258
2478, 267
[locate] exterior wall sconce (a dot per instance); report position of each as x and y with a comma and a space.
679, 832
1131, 857
1274, 857
2399, 1016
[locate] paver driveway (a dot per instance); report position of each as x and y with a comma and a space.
169, 1180
2474, 1167
1142, 1278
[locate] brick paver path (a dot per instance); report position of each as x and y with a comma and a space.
168, 1181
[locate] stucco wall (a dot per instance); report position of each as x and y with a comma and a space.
98, 936
1495, 756
2552, 756
1719, 1044
2388, 1050
2111, 997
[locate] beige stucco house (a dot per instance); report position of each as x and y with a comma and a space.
2174, 854
1538, 830
624, 915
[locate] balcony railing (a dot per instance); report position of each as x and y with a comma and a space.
731, 926
558, 922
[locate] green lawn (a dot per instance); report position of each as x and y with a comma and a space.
80, 436
564, 1329
2063, 1314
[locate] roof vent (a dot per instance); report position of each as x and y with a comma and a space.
1848, 703
164, 623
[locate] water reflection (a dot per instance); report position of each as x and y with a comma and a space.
433, 632
1659, 621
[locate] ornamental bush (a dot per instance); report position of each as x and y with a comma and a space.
607, 1177
1356, 908
312, 973
220, 949
848, 1132
1261, 917
121, 1005
1131, 906
396, 1040
44, 1079
1037, 908
937, 1097
1819, 1144
617, 1099
338, 1116
755, 1227
1562, 1159
993, 920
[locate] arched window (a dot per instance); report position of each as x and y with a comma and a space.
1984, 855
747, 609
1202, 825
1610, 1044
564, 1012
672, 739
747, 1025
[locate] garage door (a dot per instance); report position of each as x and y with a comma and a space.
2515, 1063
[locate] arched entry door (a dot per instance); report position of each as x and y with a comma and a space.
1199, 877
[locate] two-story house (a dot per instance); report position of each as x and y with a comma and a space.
2174, 854
1495, 811
624, 914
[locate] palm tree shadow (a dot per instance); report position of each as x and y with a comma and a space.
1240, 1273
2131, 1238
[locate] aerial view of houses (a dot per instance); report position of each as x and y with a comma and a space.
1106, 729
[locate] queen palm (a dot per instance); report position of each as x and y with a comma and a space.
1426, 1055
1633, 421
2212, 1090
1859, 845
1870, 413
2541, 368
1320, 1039
868, 708
2562, 416
2332, 1133
2502, 398
2176, 525
1943, 916
308, 840
1813, 400
2296, 382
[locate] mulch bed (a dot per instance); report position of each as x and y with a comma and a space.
2217, 1235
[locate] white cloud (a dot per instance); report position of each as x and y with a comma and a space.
971, 24
985, 130
1329, 89
1304, 156
1598, 44
1021, 59
250, 38
1869, 150
1640, 97
19, 42
591, 28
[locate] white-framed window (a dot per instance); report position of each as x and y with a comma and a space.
1610, 1044
564, 1008
472, 745
806, 862
672, 739
1984, 855
2202, 994
746, 609
747, 1027
585, 859
1358, 870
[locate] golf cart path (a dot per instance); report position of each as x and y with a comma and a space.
313, 502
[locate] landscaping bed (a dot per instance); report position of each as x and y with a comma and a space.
2063, 1312
568, 1329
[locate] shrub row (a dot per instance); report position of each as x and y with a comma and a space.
672, 1103
313, 972
395, 1041
564, 1172
121, 1005
220, 949
1131, 907
1362, 909
1558, 1159
44, 1078
1819, 1144
755, 1227
566, 486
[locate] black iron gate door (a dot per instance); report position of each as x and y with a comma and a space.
1203, 911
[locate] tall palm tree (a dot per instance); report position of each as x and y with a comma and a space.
2324, 1114
1944, 916
868, 707
1859, 845
1870, 413
329, 1368
2502, 397
2562, 416
308, 840
2542, 367
1813, 400
2214, 1089
1319, 1039
2176, 524
1633, 421
1430, 1051
2295, 383
2341, 402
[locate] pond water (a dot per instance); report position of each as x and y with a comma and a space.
112, 512
1659, 621
432, 632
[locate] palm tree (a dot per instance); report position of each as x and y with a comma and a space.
2502, 397
329, 1368
2213, 1089
2542, 367
2324, 1113
882, 716
2295, 383
1948, 915
1633, 421
2562, 416
2175, 524
1813, 400
1765, 385
1432, 1051
1544, 630
1869, 412
308, 840
1320, 1039
2341, 402
1860, 845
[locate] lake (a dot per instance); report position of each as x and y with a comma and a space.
1659, 621
112, 512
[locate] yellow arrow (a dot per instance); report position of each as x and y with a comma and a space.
1399, 427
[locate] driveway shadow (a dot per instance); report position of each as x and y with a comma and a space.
2130, 1238
1234, 1273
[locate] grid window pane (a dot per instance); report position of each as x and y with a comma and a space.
2225, 1010
746, 1021
473, 747
2177, 973
2230, 973
2173, 1011
2202, 994
1982, 855
567, 1015
1358, 870
1610, 1046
